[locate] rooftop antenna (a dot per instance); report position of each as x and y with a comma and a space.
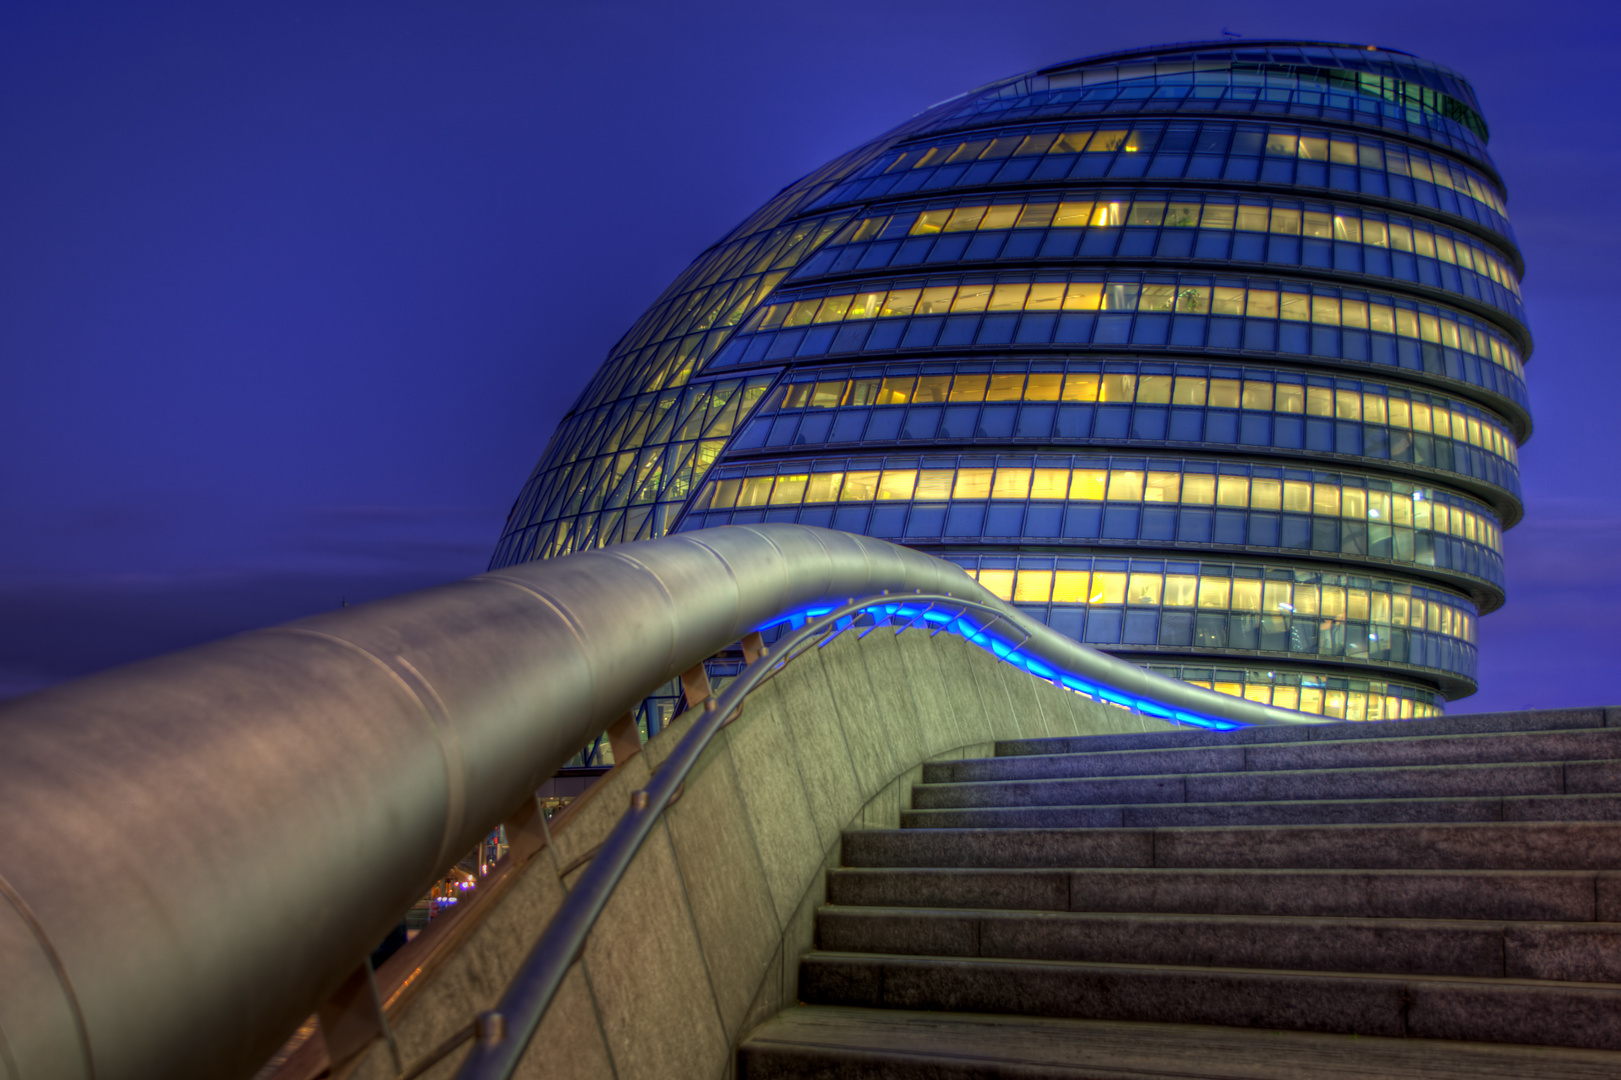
1229, 33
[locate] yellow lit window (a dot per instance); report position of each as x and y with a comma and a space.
1325, 310
725, 496
901, 302
1181, 215
998, 582
1266, 494
1154, 390
1382, 317
1108, 214
1257, 395
1251, 218
1233, 491
1258, 692
970, 298
1314, 148
1072, 214
972, 484
1108, 588
1319, 401
1162, 487
1144, 589
1429, 327
1008, 297
1217, 216
1277, 597
1105, 141
895, 391
1071, 142
756, 490
1317, 224
1037, 216
1088, 484
1049, 484
1285, 221
790, 490
1117, 387
1194, 299
1147, 213
1246, 594
823, 487
1033, 586
1354, 503
1262, 304
1213, 592
1348, 405
935, 301
1125, 485
1198, 489
1224, 393
1188, 391
1081, 387
968, 387
1044, 386
1071, 586
931, 388
1295, 307
1044, 295
1291, 398
1348, 227
1180, 590
930, 221
933, 485
1011, 484
1280, 144
1157, 298
1326, 500
1305, 597
1006, 387
859, 487
1356, 604
1297, 496
833, 309
1084, 296
1424, 243
1373, 408
802, 313
897, 484
1401, 237
1286, 697
1000, 217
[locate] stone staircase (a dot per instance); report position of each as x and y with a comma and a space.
1433, 898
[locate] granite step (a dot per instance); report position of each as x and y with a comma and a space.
1462, 724
825, 1042
1289, 812
1475, 749
1382, 782
1583, 845
1527, 895
1564, 952
1525, 1011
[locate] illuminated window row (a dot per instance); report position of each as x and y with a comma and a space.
1408, 506
1373, 404
1194, 151
670, 440
1387, 606
1177, 211
1287, 302
1338, 699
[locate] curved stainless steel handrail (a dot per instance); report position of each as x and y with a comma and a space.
246, 819
503, 1033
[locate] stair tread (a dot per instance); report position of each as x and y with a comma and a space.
1201, 970
980, 1045
1371, 922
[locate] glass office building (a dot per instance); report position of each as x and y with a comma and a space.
1208, 355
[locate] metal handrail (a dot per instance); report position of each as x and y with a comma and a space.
504, 1033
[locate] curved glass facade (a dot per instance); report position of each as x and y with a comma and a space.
1210, 355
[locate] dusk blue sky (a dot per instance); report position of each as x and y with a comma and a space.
292, 295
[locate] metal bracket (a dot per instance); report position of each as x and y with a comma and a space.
352, 1019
